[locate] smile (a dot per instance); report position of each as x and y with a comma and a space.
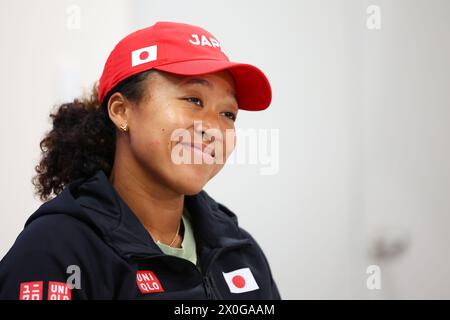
205, 151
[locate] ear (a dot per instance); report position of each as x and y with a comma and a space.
119, 109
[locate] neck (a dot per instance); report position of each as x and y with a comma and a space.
157, 208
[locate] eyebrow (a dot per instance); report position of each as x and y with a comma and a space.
206, 83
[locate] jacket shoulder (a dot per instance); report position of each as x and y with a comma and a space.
53, 232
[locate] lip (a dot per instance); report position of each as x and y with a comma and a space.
202, 147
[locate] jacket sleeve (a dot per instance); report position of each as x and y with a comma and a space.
32, 275
40, 263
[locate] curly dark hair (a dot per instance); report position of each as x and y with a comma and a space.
83, 138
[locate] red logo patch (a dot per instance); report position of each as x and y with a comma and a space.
59, 291
31, 290
147, 282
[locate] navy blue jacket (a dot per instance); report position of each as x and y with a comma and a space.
89, 232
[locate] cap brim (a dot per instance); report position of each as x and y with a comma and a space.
253, 89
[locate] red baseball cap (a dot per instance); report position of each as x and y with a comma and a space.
186, 50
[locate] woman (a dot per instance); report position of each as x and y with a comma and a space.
128, 165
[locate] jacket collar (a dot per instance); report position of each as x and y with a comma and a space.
96, 202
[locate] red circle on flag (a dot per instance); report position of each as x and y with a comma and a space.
238, 281
143, 55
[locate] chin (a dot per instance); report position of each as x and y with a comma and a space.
191, 180
190, 189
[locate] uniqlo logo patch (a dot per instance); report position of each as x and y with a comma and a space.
59, 291
240, 280
147, 282
31, 290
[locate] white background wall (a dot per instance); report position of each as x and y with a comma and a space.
362, 116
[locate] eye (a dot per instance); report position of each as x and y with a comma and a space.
194, 100
230, 115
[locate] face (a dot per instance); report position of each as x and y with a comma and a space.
177, 118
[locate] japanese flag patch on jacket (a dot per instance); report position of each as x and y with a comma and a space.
240, 280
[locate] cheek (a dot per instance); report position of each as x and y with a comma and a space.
149, 139
155, 143
216, 170
229, 143
159, 142
155, 129
148, 146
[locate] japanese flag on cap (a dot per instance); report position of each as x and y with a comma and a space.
240, 280
182, 49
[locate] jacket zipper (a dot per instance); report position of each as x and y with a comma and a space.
209, 288
210, 285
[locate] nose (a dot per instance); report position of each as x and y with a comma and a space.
208, 128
